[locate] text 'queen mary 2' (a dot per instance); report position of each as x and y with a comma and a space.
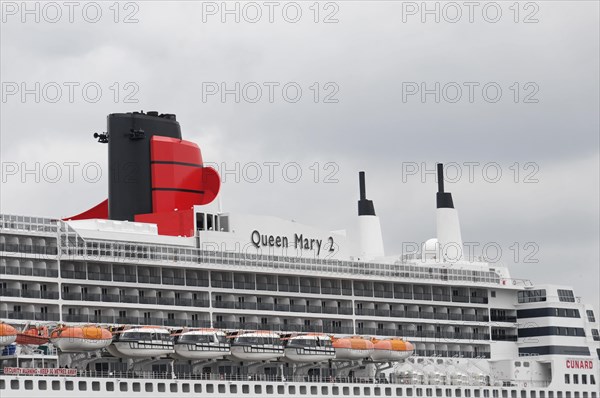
157, 292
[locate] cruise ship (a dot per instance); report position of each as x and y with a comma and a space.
158, 292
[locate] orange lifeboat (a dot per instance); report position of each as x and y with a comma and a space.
80, 338
33, 336
391, 350
8, 334
352, 348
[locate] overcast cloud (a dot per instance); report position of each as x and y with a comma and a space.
371, 58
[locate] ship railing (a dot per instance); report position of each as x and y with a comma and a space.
229, 377
331, 290
168, 254
30, 316
428, 334
29, 249
29, 224
196, 282
76, 246
25, 271
216, 377
11, 292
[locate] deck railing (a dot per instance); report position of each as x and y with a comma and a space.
407, 380
72, 245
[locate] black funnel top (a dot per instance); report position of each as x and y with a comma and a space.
444, 199
365, 206
129, 173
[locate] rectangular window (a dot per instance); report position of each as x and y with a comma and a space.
567, 379
566, 296
531, 296
200, 221
590, 316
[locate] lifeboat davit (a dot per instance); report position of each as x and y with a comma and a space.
309, 348
352, 348
391, 350
78, 339
201, 344
257, 346
33, 336
143, 342
8, 334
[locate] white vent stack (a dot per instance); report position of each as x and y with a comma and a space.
369, 227
448, 227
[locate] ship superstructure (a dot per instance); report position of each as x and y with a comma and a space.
198, 300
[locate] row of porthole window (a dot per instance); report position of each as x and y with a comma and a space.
68, 385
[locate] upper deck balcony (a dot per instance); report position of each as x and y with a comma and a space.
173, 256
28, 225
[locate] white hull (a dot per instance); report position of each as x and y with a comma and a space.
29, 386
79, 345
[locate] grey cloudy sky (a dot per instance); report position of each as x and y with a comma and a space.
371, 57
